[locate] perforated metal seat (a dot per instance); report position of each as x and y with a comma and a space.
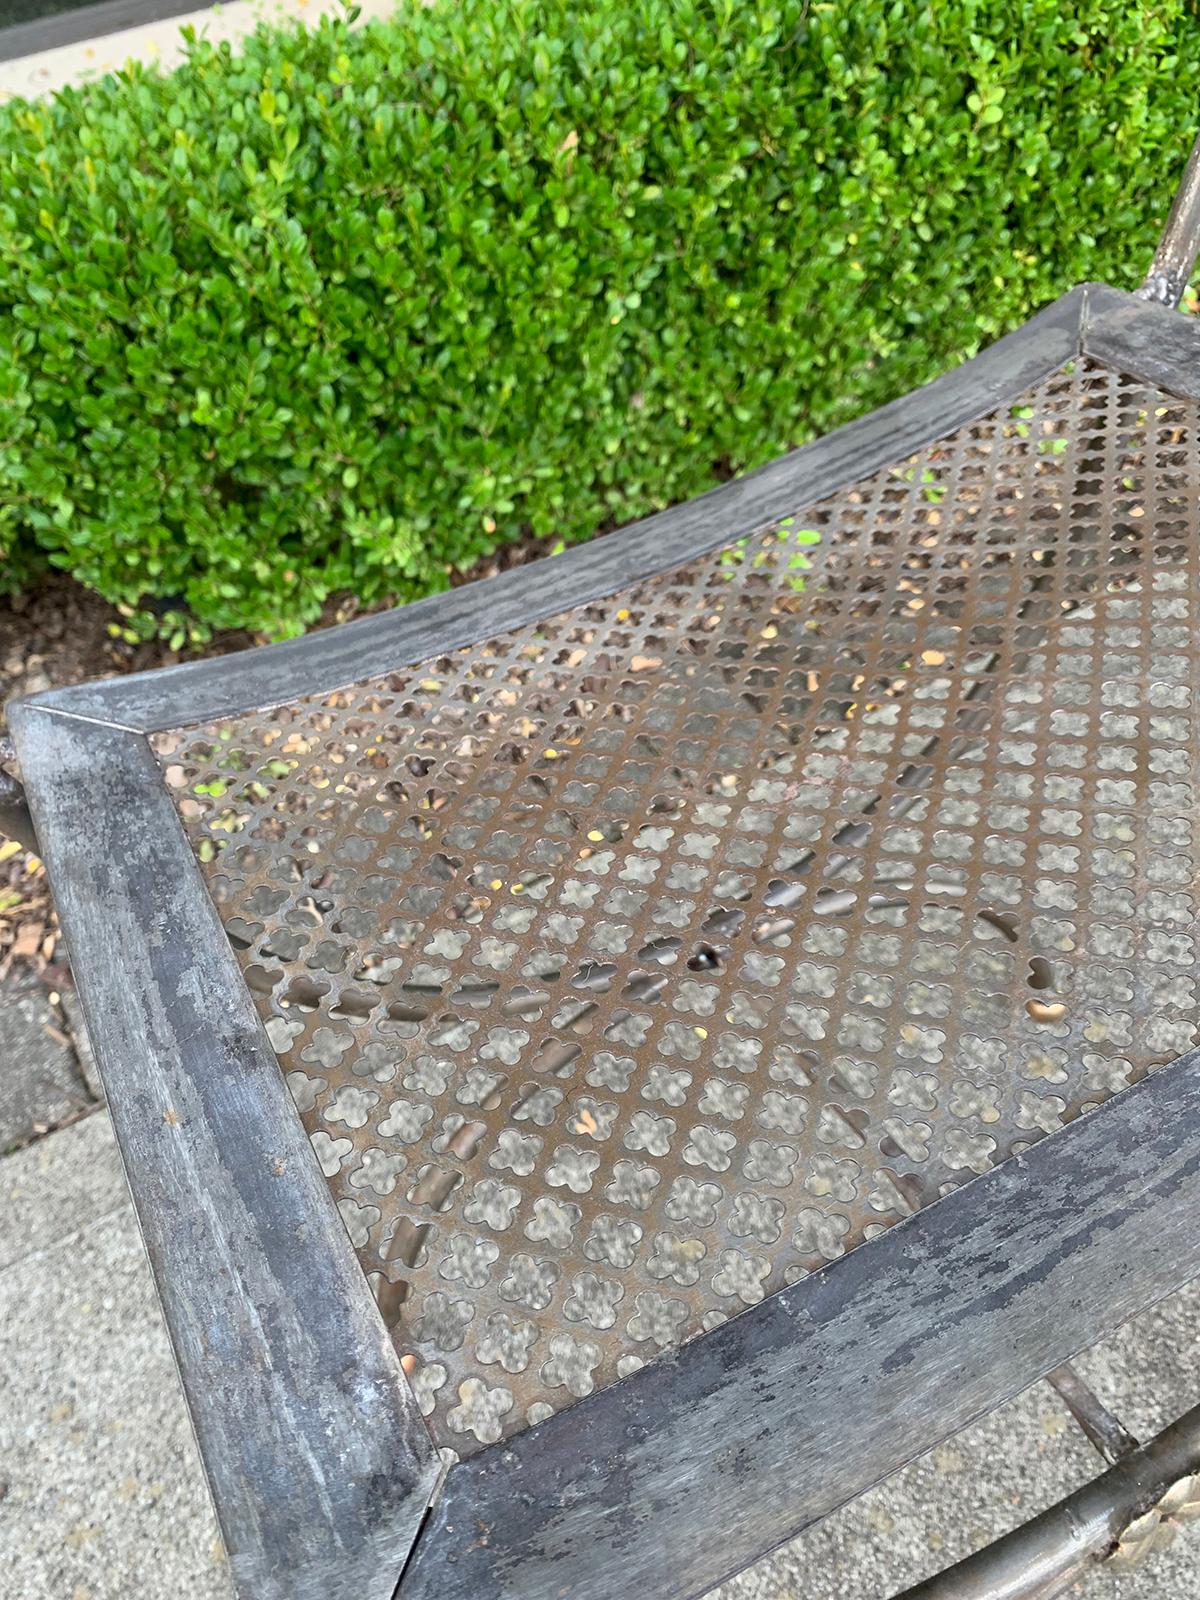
639, 961
641, 932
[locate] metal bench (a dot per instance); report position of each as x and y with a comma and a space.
648, 938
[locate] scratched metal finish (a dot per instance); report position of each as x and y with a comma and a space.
633, 964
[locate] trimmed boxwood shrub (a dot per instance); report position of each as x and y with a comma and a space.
347, 309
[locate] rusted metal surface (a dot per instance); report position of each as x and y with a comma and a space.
1106, 1432
642, 960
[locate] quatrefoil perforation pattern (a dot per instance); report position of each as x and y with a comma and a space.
633, 964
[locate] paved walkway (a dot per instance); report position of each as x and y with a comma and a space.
43, 1082
104, 1495
159, 43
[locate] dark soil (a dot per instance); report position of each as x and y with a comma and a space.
61, 633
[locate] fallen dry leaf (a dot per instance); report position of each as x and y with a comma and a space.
28, 941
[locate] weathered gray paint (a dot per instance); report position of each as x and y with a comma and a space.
320, 1465
693, 1467
1148, 341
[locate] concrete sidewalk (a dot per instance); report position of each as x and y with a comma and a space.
104, 1493
105, 1499
44, 1080
161, 44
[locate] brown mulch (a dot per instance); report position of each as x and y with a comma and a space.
61, 633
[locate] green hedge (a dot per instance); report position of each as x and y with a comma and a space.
347, 309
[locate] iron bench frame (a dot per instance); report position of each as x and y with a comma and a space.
325, 1479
